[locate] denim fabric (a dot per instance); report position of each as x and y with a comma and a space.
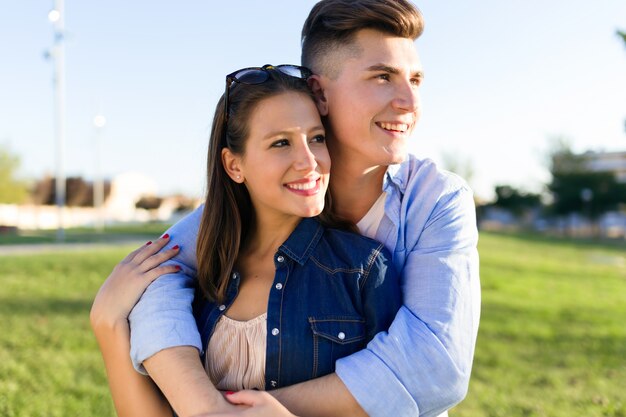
422, 365
332, 292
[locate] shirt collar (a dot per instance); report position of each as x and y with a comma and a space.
302, 240
396, 174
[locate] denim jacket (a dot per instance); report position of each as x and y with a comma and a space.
332, 292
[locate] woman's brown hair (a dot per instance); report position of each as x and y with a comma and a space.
228, 215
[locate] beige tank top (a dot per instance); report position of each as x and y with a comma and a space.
235, 356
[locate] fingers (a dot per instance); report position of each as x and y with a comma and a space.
158, 258
150, 249
161, 270
247, 397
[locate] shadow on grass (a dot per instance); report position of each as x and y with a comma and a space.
44, 306
531, 237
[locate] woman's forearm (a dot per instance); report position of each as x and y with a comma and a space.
134, 395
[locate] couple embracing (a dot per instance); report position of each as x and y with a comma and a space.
302, 287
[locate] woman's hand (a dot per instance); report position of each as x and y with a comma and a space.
260, 403
129, 279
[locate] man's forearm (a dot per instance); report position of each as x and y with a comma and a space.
321, 397
179, 374
133, 394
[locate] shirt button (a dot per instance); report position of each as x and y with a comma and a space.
279, 286
273, 383
341, 335
222, 307
275, 331
280, 258
235, 275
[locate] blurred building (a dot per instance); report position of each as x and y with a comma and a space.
130, 197
613, 162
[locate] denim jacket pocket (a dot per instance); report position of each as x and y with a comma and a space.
333, 338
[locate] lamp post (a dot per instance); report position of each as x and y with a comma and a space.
57, 17
98, 183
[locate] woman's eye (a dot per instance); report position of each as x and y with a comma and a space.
280, 143
318, 139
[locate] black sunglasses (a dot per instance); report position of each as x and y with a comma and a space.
258, 75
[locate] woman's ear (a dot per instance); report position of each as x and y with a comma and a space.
315, 84
232, 165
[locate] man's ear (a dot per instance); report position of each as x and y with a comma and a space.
232, 165
315, 84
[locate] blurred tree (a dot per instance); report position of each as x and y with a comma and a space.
514, 200
590, 193
576, 189
12, 189
622, 35
461, 166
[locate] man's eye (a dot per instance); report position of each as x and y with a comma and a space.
280, 143
416, 81
384, 77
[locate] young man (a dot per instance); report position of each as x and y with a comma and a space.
367, 75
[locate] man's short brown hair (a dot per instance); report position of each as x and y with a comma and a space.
333, 24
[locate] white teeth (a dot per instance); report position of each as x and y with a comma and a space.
302, 186
398, 127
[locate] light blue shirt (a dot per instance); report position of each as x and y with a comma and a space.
422, 365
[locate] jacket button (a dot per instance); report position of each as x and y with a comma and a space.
280, 258
273, 383
341, 335
222, 307
279, 286
275, 331
235, 275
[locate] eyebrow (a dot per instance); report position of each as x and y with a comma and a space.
272, 135
392, 70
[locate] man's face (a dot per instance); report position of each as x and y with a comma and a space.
373, 103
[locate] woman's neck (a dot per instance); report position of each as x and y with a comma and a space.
268, 235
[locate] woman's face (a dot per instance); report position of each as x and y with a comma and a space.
285, 165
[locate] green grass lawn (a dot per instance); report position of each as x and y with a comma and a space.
552, 340
81, 235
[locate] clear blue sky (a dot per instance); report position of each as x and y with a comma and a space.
501, 78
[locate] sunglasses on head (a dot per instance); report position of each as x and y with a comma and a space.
258, 75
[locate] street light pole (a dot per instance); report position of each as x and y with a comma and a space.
98, 183
57, 17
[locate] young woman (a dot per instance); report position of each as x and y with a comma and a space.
282, 293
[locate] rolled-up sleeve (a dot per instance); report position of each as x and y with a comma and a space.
163, 317
422, 365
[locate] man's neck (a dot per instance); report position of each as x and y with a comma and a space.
354, 191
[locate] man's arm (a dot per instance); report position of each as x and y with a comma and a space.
321, 397
164, 334
163, 316
422, 364
179, 374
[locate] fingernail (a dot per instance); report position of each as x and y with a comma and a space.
165, 236
230, 392
149, 243
176, 247
178, 268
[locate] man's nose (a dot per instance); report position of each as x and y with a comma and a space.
407, 97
